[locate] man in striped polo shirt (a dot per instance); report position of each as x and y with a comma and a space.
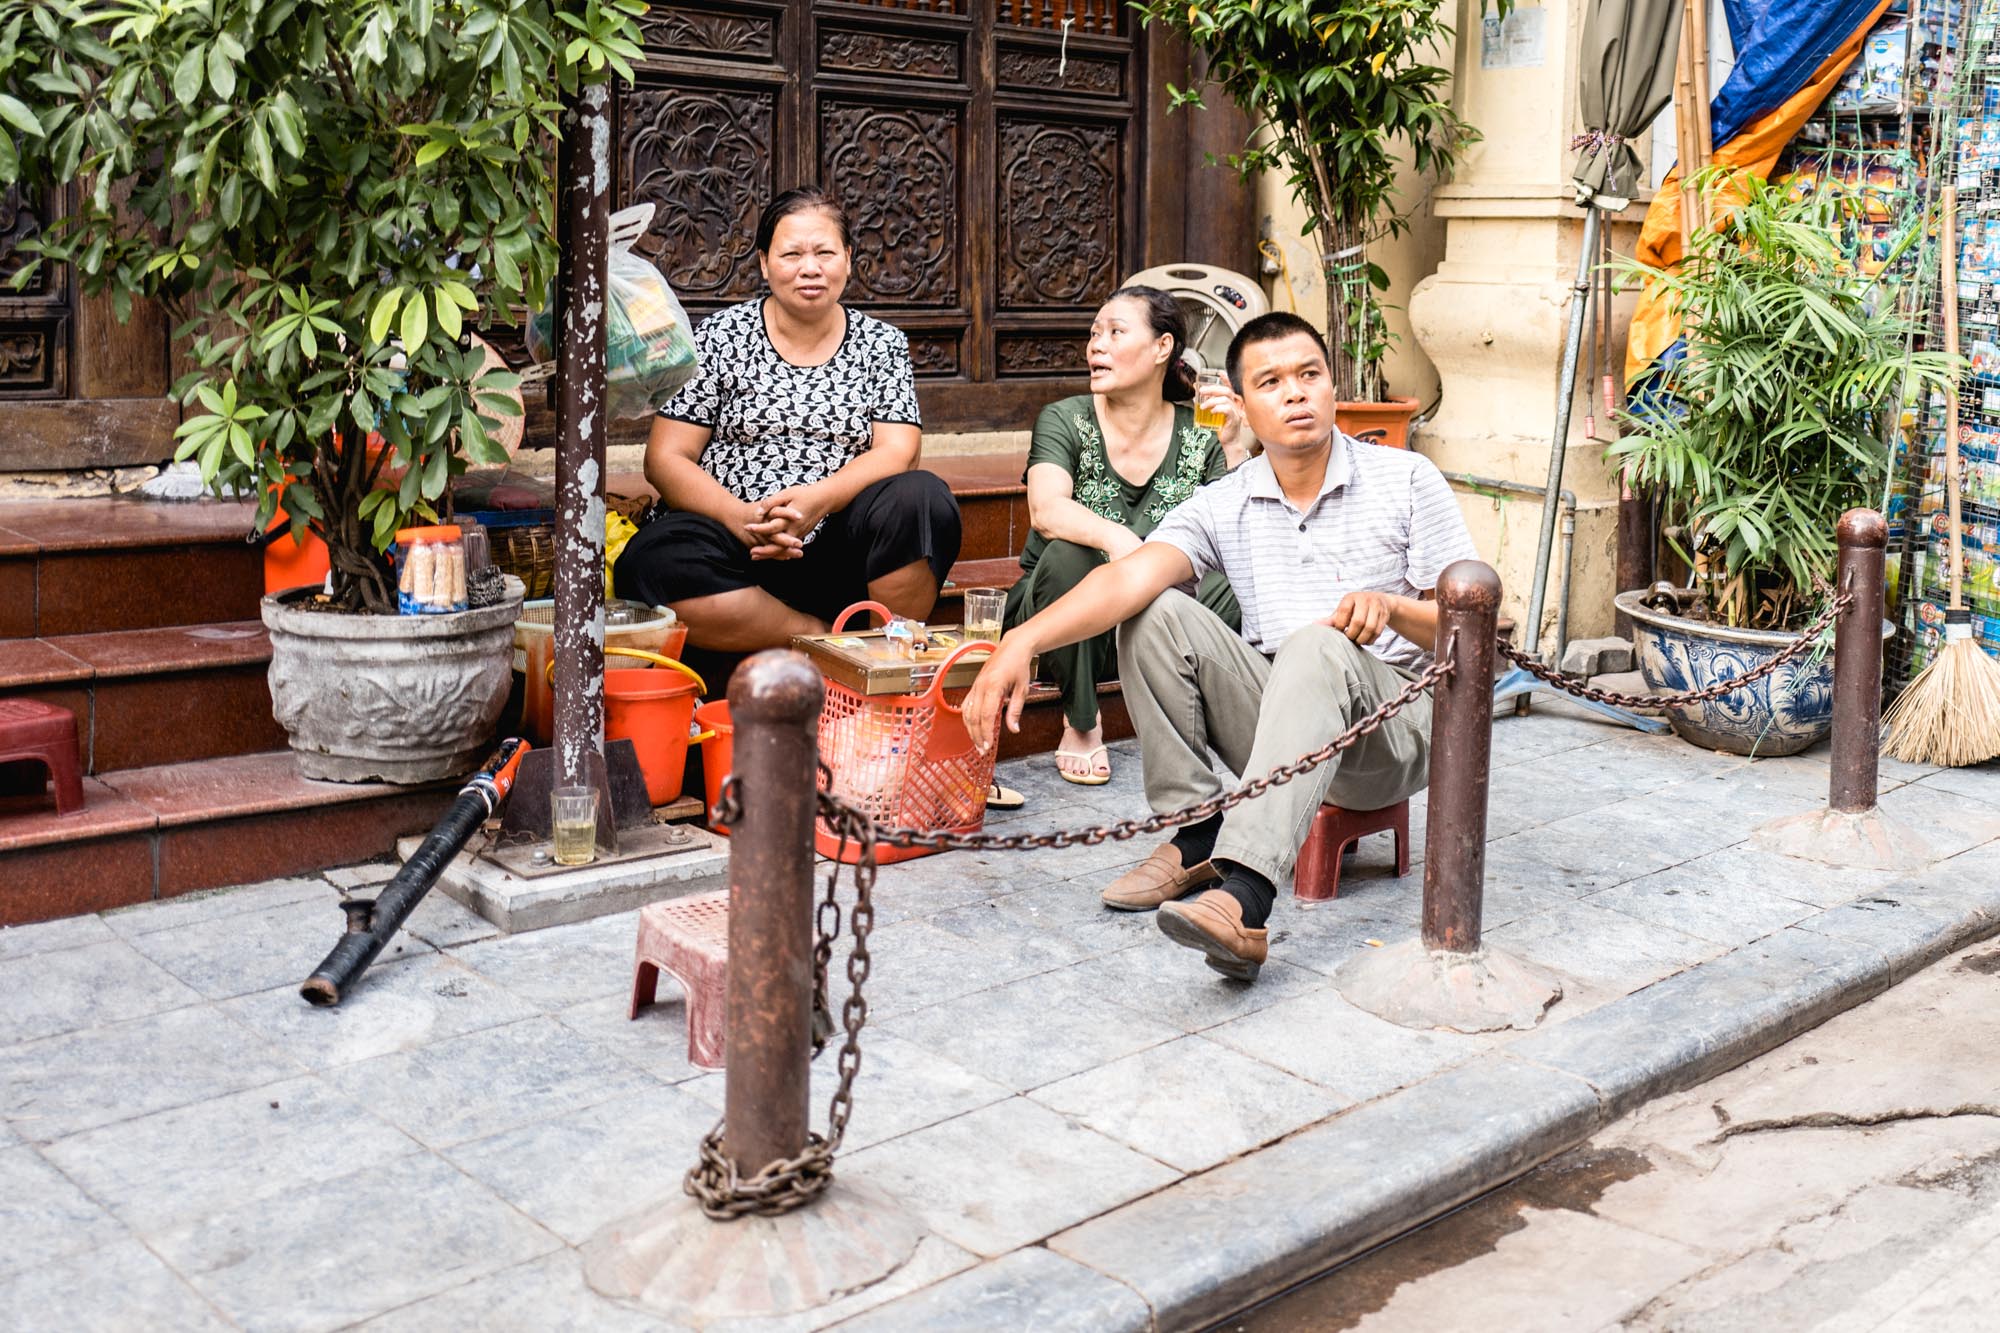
1332, 547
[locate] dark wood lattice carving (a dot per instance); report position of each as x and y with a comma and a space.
1058, 213
1092, 17
897, 170
1019, 67
934, 353
1041, 353
19, 221
886, 53
917, 6
709, 33
705, 159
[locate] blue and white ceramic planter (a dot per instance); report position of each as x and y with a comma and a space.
1784, 713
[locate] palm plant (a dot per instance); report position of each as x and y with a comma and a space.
1773, 422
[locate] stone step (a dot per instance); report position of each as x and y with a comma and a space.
152, 696
87, 566
161, 831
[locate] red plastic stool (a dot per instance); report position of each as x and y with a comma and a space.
688, 938
1316, 877
32, 731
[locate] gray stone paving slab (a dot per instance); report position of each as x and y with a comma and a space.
118, 1286
392, 1008
1033, 1031
1694, 899
578, 1172
1748, 867
443, 922
177, 1166
1599, 945
63, 1085
1913, 924
63, 933
339, 1251
516, 903
1947, 822
545, 1295
1332, 1190
915, 890
172, 913
1075, 909
44, 1215
1007, 1175
363, 874
902, 1086
63, 990
563, 965
479, 1084
243, 952
917, 964
1528, 874
1980, 783
1321, 936
987, 925
1697, 1024
1170, 983
1516, 740
1320, 1036
655, 1041
1190, 1103
1031, 1288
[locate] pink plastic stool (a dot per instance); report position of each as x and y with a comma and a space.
688, 939
1316, 877
34, 732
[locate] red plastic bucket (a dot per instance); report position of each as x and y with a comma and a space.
652, 709
718, 752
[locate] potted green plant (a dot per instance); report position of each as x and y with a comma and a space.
330, 195
1797, 365
1341, 93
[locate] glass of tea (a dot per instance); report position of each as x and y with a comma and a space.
1205, 382
984, 610
573, 817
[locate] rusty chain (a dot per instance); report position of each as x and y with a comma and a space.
1791, 652
790, 1182
1193, 814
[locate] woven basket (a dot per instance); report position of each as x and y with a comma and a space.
528, 552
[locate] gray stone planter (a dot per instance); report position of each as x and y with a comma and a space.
1784, 713
396, 698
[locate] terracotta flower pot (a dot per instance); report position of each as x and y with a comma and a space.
1378, 423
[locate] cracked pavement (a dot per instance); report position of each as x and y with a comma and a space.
1846, 1182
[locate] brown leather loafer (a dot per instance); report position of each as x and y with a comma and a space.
1213, 923
1158, 879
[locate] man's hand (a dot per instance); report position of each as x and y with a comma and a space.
1362, 615
779, 523
1002, 683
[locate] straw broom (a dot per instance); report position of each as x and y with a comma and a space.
1950, 714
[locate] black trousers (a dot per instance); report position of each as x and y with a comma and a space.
895, 522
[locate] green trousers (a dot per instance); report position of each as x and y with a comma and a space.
1078, 669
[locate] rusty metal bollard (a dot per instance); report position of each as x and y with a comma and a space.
1468, 595
1857, 663
774, 704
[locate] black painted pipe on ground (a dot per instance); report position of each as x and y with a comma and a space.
372, 924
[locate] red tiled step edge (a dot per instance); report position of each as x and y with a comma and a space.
153, 696
158, 832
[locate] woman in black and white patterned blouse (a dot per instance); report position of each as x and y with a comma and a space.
788, 464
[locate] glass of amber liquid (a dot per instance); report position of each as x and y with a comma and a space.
984, 610
573, 818
1203, 414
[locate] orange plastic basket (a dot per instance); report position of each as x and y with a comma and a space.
906, 759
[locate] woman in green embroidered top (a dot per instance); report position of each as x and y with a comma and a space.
1103, 469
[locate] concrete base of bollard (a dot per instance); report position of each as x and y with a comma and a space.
1866, 840
1415, 987
675, 1262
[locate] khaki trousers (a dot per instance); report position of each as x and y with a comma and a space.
1192, 686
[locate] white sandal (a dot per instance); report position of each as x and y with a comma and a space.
1089, 758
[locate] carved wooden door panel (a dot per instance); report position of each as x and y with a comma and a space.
989, 166
34, 322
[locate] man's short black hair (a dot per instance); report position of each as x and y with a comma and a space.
1269, 328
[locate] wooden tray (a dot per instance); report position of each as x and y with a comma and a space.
860, 660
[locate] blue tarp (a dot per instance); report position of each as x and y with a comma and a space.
1779, 43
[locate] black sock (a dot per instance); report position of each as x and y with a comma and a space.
1255, 894
1196, 841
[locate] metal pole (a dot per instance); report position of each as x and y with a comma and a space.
774, 703
1857, 663
583, 206
1579, 303
1468, 594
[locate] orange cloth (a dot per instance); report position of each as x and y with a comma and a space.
1755, 150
